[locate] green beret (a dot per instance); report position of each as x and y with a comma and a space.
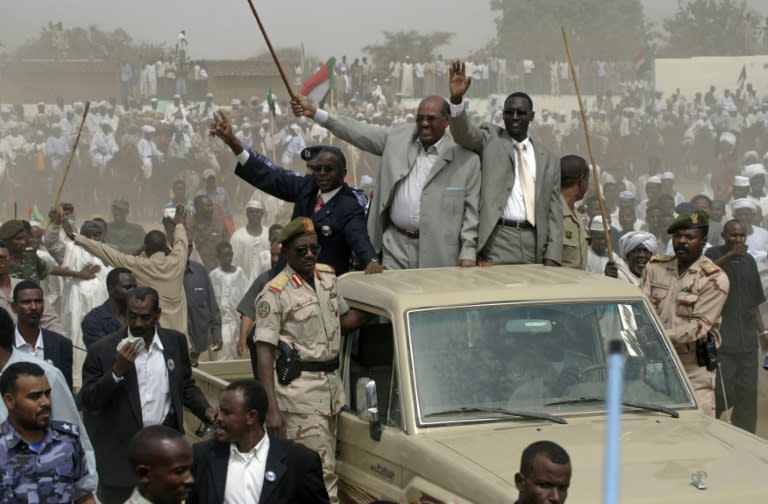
297, 227
689, 220
11, 228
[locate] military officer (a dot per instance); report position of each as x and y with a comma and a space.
40, 460
688, 292
574, 183
302, 312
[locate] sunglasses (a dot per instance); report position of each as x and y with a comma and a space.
322, 168
302, 250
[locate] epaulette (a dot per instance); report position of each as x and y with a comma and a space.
296, 280
360, 196
661, 258
325, 268
278, 284
65, 428
709, 268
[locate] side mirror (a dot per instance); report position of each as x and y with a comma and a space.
367, 403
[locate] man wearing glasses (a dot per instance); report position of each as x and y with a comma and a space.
424, 210
322, 196
300, 316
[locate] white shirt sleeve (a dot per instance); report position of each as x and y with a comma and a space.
456, 110
321, 116
243, 157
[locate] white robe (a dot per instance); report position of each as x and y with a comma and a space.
251, 252
229, 289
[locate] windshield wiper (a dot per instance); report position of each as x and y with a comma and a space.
631, 404
501, 411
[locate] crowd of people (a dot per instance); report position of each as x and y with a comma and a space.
121, 316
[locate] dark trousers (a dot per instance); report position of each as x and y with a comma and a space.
109, 494
738, 372
252, 351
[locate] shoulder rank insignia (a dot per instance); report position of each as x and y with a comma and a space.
65, 427
709, 268
661, 258
325, 268
296, 280
278, 284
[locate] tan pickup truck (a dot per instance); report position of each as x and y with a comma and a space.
463, 368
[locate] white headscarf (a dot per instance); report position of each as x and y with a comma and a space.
634, 239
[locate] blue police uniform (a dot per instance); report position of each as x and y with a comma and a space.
51, 471
340, 223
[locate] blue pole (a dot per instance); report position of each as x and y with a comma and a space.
613, 427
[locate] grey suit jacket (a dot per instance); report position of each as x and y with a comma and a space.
448, 226
497, 152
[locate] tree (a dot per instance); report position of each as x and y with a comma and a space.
398, 45
597, 29
710, 28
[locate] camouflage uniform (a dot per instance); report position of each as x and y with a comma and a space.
575, 236
689, 306
290, 310
31, 267
55, 474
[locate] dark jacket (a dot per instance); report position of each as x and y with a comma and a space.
340, 224
98, 323
57, 349
113, 410
297, 470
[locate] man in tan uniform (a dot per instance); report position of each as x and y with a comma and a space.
688, 292
574, 183
302, 307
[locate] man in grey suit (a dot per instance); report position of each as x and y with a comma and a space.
424, 212
521, 219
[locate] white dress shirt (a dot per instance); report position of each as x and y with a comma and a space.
245, 473
152, 375
405, 210
22, 346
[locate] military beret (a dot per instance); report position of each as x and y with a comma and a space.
689, 220
297, 227
11, 228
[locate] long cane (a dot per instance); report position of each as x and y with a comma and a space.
598, 191
272, 51
72, 155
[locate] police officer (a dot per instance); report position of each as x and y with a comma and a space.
301, 309
688, 292
41, 459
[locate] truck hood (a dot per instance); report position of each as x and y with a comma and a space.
659, 455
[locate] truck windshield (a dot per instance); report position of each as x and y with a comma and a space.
536, 358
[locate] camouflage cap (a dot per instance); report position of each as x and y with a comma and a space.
297, 227
689, 220
11, 228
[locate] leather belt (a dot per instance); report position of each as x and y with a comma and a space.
410, 234
327, 366
518, 224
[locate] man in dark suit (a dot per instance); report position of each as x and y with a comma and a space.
137, 376
521, 215
245, 464
324, 197
28, 305
105, 318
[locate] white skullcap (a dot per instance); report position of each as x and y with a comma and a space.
653, 180
147, 129
235, 101
209, 172
668, 175
727, 136
750, 155
739, 181
254, 203
755, 169
626, 195
177, 97
366, 180
596, 224
630, 241
741, 203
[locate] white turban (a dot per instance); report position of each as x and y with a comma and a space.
634, 239
739, 181
254, 203
653, 180
147, 129
741, 203
754, 169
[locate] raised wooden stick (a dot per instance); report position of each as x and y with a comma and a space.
596, 175
272, 51
72, 154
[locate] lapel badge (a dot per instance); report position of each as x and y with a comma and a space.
270, 476
171, 365
325, 230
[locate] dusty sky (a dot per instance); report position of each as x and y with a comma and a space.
218, 29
